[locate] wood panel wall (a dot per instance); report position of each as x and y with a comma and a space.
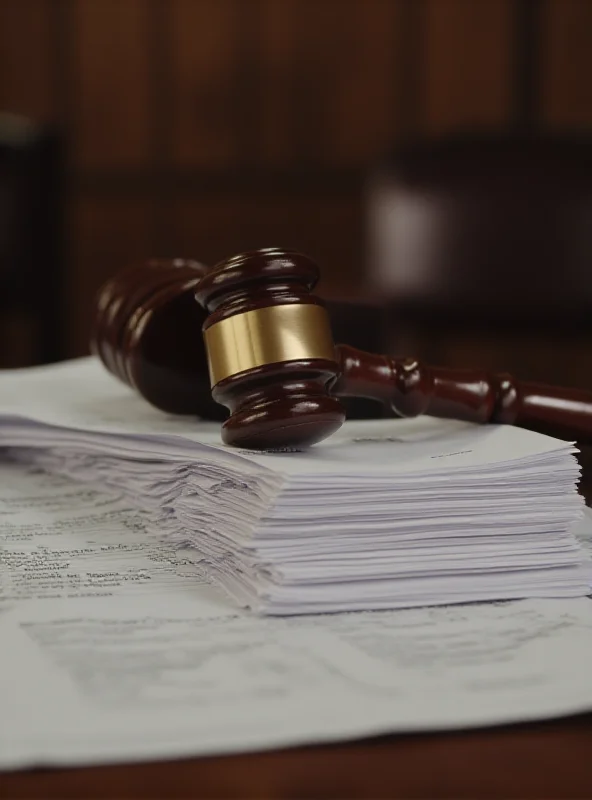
203, 127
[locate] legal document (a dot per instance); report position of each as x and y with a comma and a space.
385, 514
116, 646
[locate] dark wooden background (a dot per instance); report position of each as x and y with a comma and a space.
202, 127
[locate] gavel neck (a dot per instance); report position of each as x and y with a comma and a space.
404, 384
412, 388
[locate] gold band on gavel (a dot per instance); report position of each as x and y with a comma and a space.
266, 336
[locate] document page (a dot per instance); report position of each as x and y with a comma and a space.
80, 395
62, 540
114, 647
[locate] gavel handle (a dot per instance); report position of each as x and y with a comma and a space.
412, 388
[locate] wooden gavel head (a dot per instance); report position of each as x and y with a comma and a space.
147, 332
270, 350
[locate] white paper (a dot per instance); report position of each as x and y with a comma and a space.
385, 514
115, 648
82, 396
62, 540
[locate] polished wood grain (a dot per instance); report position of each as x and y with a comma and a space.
110, 58
207, 117
548, 760
317, 62
160, 99
457, 33
27, 59
565, 48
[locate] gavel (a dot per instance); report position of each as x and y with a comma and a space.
147, 331
272, 362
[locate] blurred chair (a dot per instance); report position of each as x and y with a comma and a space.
483, 247
31, 316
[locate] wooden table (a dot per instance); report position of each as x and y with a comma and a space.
548, 760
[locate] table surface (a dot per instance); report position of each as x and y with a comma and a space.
546, 760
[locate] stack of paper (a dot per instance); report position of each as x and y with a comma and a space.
385, 514
116, 647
